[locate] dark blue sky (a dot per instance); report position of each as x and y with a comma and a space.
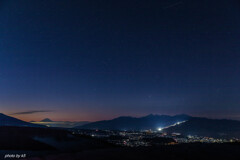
91, 60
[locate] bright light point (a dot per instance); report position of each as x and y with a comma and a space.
159, 129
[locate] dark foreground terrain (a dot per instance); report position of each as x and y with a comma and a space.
35, 142
59, 144
176, 152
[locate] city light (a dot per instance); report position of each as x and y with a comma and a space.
159, 129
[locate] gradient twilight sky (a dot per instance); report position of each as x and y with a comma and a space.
99, 59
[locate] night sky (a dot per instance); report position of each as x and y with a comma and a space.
95, 60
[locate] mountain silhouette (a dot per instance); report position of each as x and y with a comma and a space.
60, 124
208, 127
46, 120
132, 123
10, 121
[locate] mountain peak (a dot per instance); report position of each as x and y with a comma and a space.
46, 120
155, 115
150, 115
182, 115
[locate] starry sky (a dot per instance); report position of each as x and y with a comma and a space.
94, 60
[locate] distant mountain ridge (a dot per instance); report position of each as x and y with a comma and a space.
192, 125
208, 127
11, 121
59, 124
132, 123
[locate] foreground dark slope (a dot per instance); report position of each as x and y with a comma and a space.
35, 141
208, 127
172, 152
132, 123
10, 121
